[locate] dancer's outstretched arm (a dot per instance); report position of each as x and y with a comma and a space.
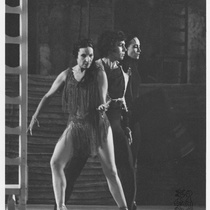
47, 97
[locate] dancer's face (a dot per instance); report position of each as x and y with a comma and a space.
134, 49
119, 50
85, 57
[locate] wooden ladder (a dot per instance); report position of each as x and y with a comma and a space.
19, 190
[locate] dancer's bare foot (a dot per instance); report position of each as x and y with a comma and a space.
63, 207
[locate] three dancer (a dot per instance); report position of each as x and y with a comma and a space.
87, 87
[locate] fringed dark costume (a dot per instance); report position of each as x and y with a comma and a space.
86, 128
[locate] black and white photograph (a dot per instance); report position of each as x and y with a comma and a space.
105, 105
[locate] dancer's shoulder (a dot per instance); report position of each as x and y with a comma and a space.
99, 65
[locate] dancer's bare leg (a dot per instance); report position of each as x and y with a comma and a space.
61, 155
106, 156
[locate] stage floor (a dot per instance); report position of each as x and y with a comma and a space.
90, 207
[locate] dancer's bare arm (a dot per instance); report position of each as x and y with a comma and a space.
47, 97
103, 88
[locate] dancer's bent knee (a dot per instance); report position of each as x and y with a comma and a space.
55, 165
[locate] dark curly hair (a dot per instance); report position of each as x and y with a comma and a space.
129, 38
82, 43
107, 40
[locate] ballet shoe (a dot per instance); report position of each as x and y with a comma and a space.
123, 208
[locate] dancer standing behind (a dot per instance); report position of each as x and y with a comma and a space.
111, 46
88, 131
130, 63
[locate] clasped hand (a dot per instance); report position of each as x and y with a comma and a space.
103, 108
129, 135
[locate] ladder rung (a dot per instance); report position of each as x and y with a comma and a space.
13, 161
13, 100
12, 70
13, 9
12, 189
14, 131
13, 40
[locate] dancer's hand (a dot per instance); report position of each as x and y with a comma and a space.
129, 135
33, 121
103, 107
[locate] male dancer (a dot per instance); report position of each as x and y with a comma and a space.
111, 46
